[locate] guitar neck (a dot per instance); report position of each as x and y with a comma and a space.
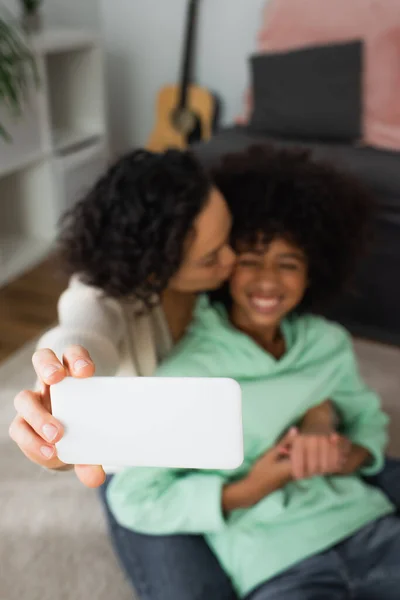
188, 52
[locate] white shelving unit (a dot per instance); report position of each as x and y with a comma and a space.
59, 147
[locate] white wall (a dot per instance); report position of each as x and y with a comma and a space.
64, 13
143, 40
72, 13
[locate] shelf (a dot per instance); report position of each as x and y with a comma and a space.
24, 162
18, 253
27, 217
70, 140
58, 149
63, 40
26, 139
75, 99
76, 172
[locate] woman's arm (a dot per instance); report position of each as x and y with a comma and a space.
321, 419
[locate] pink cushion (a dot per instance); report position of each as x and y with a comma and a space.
290, 24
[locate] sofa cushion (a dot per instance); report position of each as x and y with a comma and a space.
311, 93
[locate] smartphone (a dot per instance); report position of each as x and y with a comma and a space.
191, 423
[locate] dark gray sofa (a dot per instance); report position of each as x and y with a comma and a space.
372, 308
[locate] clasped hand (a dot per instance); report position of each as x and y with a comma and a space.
304, 455
313, 454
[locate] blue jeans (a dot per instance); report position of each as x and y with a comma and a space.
388, 480
363, 567
183, 567
179, 567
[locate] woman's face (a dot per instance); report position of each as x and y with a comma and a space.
209, 259
268, 283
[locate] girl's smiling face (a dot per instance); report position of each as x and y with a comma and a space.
269, 281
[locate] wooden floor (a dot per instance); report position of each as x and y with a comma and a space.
28, 306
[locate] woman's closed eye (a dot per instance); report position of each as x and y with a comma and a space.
211, 261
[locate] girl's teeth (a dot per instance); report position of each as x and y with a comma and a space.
265, 303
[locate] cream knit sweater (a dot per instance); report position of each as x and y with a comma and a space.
121, 337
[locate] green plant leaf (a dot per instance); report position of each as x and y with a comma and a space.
18, 70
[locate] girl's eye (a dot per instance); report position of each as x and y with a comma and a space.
289, 266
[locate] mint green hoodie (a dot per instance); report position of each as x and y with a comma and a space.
298, 521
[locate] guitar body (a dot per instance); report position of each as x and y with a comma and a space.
185, 112
176, 127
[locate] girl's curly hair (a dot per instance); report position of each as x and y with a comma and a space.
284, 193
127, 235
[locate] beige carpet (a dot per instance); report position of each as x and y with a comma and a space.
53, 543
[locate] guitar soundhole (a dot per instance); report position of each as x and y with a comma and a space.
187, 123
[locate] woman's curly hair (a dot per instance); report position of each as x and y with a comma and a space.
127, 235
285, 193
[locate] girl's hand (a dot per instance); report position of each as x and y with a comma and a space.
34, 429
273, 470
270, 472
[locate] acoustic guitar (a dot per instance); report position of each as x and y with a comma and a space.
185, 112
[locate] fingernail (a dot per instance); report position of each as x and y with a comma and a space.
50, 370
47, 451
80, 364
50, 432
